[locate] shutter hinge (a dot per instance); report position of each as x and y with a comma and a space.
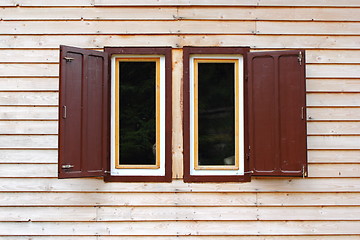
300, 58
246, 77
64, 112
67, 166
68, 59
302, 113
304, 172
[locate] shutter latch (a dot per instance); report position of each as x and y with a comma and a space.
67, 166
304, 172
300, 57
68, 59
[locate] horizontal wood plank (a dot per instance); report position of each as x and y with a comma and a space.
309, 28
28, 156
28, 170
182, 228
332, 56
91, 214
89, 13
333, 99
28, 127
321, 3
46, 3
29, 98
182, 12
28, 70
28, 141
192, 237
337, 156
128, 27
328, 113
178, 41
29, 55
265, 184
30, 113
332, 71
334, 170
333, 128
333, 142
26, 84
333, 85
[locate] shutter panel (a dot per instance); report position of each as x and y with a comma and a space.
83, 112
277, 113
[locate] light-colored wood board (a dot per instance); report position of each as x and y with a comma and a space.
28, 156
333, 99
264, 184
182, 228
332, 56
28, 141
20, 3
29, 70
301, 199
332, 71
209, 237
334, 170
336, 156
126, 199
20, 84
333, 142
177, 41
269, 13
177, 135
29, 55
333, 85
29, 98
28, 170
28, 127
329, 113
321, 3
169, 12
31, 113
313, 28
333, 128
127, 27
90, 214
90, 13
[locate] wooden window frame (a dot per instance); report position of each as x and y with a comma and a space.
146, 52
212, 52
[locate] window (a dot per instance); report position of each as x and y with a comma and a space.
243, 114
115, 114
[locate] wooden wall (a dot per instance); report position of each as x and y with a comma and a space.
35, 205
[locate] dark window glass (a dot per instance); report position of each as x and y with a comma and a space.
137, 113
216, 116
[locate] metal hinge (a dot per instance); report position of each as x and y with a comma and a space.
300, 58
67, 166
64, 112
302, 113
68, 59
304, 172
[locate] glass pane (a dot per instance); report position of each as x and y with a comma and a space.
216, 116
137, 113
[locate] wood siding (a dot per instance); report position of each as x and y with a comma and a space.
35, 205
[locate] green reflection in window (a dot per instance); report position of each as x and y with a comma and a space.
216, 114
137, 113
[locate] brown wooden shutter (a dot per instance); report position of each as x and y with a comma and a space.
83, 112
277, 113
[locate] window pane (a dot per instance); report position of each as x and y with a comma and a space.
216, 116
137, 113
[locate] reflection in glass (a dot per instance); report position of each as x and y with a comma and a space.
137, 113
216, 114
